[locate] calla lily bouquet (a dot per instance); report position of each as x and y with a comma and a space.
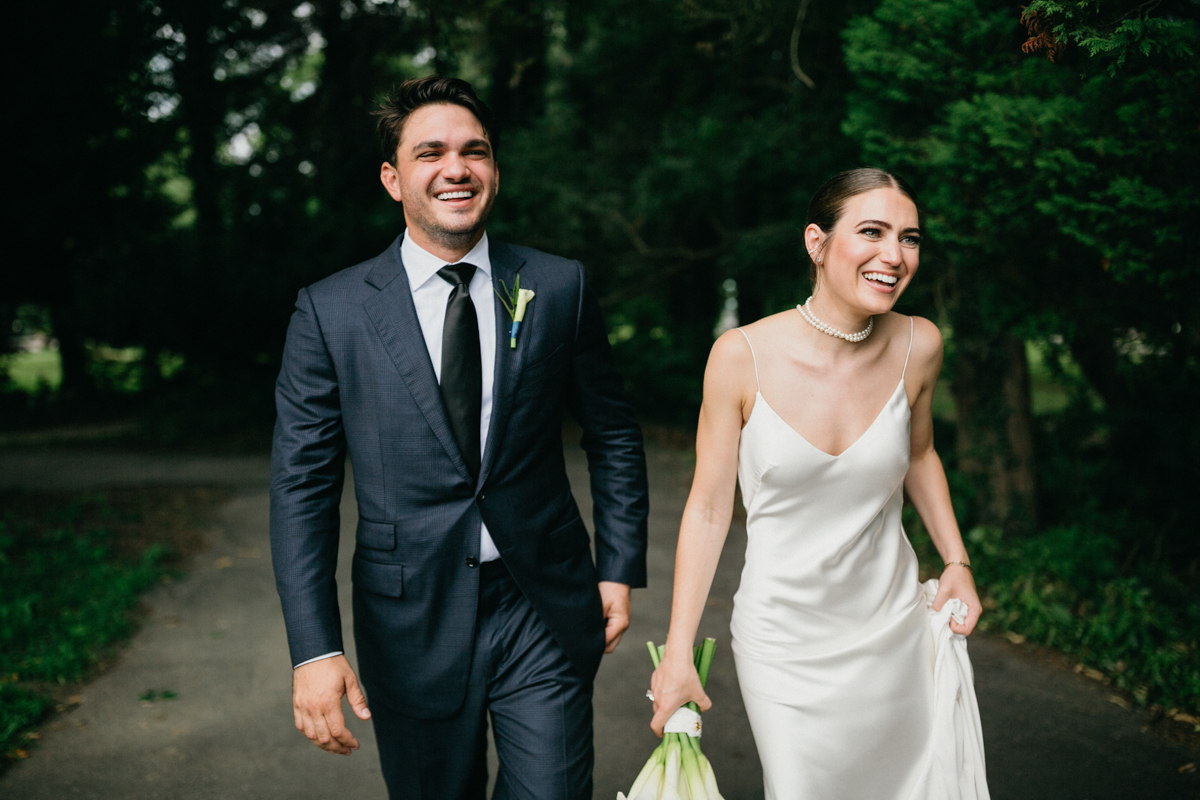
515, 304
677, 770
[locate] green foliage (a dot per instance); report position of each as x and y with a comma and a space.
1065, 588
677, 149
20, 710
1059, 203
1111, 30
65, 599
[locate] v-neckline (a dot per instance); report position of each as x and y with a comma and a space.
760, 399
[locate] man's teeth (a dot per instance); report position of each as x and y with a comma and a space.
454, 195
890, 280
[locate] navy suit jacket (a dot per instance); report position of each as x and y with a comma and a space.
357, 381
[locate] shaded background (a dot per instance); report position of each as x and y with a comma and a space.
182, 167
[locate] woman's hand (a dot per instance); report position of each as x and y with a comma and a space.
958, 581
674, 684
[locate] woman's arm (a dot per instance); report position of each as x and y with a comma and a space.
926, 485
706, 519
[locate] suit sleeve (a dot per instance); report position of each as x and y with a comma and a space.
613, 442
307, 473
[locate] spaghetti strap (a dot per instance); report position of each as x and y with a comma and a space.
757, 383
911, 329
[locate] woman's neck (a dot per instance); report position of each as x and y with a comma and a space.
838, 314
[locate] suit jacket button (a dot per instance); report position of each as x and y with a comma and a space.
472, 561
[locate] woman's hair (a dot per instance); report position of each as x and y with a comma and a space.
827, 205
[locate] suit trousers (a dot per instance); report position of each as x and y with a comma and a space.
541, 715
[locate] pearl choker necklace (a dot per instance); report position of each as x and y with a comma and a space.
811, 318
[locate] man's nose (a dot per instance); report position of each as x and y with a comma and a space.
454, 168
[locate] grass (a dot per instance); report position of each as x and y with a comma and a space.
71, 571
1063, 588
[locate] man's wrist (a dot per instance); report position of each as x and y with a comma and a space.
318, 658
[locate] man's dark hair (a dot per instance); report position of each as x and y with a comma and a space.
394, 110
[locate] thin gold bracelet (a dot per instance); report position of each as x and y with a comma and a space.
960, 564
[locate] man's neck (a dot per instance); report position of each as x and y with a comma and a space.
450, 253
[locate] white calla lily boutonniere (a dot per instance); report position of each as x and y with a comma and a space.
515, 303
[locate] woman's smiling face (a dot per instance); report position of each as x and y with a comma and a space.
873, 251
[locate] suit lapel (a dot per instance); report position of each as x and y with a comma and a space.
505, 266
395, 318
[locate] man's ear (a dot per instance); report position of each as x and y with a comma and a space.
390, 178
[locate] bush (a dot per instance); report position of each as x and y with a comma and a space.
1064, 589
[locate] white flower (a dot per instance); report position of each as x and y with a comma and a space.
523, 298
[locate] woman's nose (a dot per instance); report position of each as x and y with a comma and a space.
889, 252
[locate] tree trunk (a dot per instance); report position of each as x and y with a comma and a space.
202, 110
77, 385
995, 430
1018, 429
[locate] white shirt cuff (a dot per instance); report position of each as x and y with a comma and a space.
318, 658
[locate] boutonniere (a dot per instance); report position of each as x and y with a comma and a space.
515, 304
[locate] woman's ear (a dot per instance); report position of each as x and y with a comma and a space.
814, 241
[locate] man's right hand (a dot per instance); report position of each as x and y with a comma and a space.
317, 691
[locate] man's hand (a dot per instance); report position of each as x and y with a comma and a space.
317, 691
615, 597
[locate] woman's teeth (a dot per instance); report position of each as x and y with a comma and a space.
890, 280
454, 195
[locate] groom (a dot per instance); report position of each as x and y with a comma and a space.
475, 591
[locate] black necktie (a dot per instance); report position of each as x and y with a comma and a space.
462, 369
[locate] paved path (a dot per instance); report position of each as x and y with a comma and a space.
217, 640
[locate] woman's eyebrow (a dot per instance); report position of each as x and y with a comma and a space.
878, 223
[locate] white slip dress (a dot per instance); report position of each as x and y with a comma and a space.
854, 687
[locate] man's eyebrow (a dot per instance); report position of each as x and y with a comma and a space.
434, 144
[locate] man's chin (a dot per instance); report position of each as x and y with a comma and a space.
463, 223
457, 235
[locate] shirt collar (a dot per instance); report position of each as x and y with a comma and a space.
421, 265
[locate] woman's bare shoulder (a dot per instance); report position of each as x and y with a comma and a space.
732, 368
926, 355
748, 341
731, 348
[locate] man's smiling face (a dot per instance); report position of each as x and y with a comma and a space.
446, 177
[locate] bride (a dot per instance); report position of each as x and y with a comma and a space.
823, 414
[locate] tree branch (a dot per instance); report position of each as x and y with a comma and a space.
639, 244
795, 50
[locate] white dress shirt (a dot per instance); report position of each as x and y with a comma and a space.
430, 294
